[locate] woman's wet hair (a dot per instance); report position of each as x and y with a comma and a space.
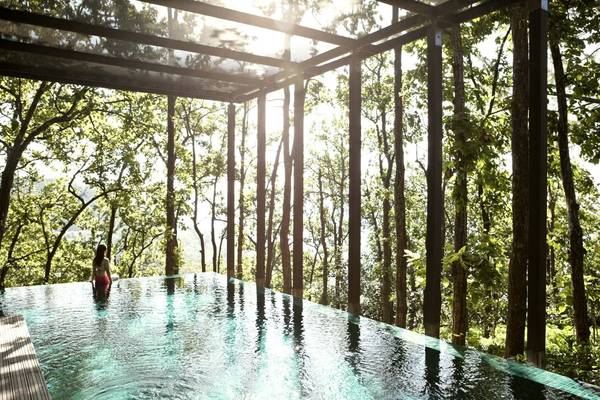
100, 251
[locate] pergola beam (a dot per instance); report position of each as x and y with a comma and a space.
412, 5
254, 20
273, 82
83, 28
408, 29
124, 62
99, 79
340, 62
415, 27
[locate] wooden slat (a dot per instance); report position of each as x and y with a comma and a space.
20, 373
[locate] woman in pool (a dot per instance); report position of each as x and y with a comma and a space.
101, 271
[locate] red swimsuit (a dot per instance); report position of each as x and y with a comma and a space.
102, 280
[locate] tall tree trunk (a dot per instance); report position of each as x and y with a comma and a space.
270, 236
111, 230
284, 239
551, 263
324, 297
386, 239
576, 249
340, 231
399, 188
387, 260
220, 247
242, 208
213, 217
6, 183
488, 319
412, 310
460, 194
9, 257
196, 199
517, 273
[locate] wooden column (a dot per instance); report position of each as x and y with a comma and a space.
354, 211
298, 262
432, 301
260, 191
171, 257
230, 191
538, 150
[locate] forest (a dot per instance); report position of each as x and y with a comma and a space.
146, 175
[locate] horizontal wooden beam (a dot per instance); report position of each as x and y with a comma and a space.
477, 11
26, 17
254, 20
340, 62
417, 29
363, 42
123, 62
412, 5
109, 81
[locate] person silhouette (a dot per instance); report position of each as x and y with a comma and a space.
101, 273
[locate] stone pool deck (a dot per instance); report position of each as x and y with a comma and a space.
20, 373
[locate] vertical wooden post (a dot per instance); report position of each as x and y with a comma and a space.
260, 191
538, 149
432, 302
354, 210
230, 191
171, 256
298, 262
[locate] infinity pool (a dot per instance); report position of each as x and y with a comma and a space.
198, 337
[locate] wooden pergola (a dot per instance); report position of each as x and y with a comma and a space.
29, 57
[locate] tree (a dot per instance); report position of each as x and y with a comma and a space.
399, 188
51, 108
576, 249
517, 274
460, 192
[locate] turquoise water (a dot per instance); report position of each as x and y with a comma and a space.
198, 337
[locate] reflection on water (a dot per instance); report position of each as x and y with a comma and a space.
205, 337
432, 372
100, 294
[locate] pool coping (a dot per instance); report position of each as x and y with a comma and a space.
20, 372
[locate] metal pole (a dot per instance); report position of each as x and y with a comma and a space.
230, 190
298, 262
434, 244
538, 150
354, 217
260, 192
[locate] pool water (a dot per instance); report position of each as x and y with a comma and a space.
200, 337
